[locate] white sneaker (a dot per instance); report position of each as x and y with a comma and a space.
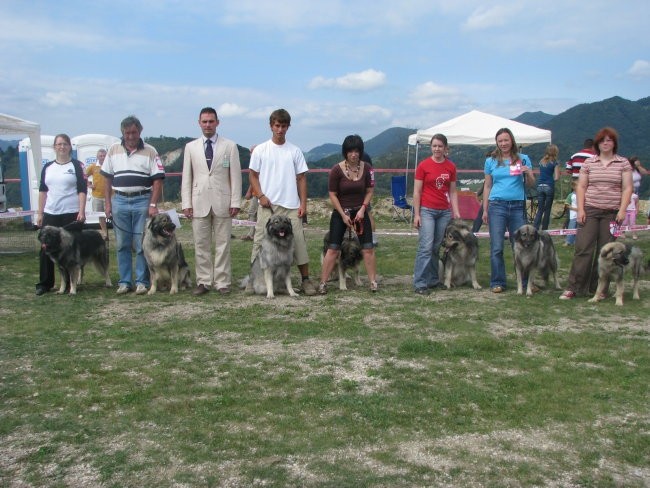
140, 289
122, 289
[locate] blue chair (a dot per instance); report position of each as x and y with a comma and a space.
401, 209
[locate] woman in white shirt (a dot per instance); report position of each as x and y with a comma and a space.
61, 200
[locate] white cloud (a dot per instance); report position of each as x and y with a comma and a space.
23, 33
488, 17
340, 116
58, 99
430, 95
640, 69
304, 16
231, 110
361, 81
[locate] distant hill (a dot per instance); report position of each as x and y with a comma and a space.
388, 141
536, 119
322, 151
630, 119
569, 130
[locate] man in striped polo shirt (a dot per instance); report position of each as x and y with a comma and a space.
574, 164
134, 176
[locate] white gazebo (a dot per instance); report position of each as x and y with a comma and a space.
477, 129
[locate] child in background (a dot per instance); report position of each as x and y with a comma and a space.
571, 203
630, 215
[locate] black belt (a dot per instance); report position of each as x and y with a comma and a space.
133, 193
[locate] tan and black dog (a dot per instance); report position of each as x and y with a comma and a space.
613, 258
164, 255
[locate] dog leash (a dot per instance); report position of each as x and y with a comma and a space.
357, 224
111, 221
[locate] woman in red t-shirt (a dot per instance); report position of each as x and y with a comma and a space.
435, 202
351, 184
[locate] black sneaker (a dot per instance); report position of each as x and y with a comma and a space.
422, 291
40, 291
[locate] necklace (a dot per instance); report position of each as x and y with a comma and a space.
349, 170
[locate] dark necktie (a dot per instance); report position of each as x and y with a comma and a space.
208, 152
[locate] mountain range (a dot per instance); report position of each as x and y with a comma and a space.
569, 129
389, 148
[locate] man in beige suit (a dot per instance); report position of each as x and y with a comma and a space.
211, 196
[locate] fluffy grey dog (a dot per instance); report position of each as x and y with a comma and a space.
271, 268
534, 252
70, 251
164, 255
613, 258
349, 258
460, 253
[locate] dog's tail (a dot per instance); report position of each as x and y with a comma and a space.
244, 282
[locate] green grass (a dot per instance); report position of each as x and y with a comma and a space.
461, 388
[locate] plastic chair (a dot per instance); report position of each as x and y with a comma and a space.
401, 209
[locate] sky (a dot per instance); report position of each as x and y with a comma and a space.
339, 66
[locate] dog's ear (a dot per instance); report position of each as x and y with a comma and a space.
606, 251
517, 235
150, 225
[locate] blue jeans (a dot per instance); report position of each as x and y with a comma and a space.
502, 215
432, 230
129, 218
571, 238
545, 194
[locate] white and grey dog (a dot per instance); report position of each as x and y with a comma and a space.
534, 252
271, 268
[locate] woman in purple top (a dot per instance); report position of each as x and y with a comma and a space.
351, 184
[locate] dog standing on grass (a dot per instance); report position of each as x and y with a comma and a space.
349, 258
613, 258
534, 252
71, 250
164, 255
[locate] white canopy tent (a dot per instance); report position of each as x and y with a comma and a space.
14, 125
477, 129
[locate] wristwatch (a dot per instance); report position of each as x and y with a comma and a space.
153, 205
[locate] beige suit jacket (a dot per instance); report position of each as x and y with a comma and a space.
220, 187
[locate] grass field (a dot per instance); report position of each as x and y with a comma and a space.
462, 388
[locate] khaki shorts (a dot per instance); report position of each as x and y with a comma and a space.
300, 255
98, 204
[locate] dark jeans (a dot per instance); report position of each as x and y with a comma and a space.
46, 265
545, 194
478, 221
